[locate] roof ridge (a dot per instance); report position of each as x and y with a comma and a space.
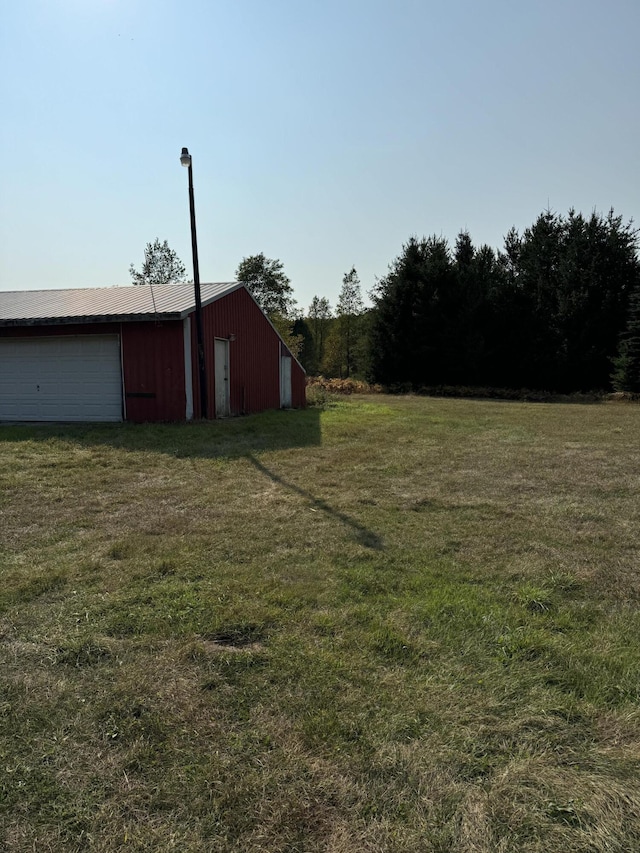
102, 304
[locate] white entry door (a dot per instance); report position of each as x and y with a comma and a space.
66, 378
285, 381
221, 358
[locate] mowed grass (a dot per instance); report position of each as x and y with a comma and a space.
393, 624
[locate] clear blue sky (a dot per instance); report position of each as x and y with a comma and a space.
323, 132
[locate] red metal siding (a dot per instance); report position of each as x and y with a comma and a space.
153, 362
254, 356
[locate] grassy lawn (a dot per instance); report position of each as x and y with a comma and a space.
395, 624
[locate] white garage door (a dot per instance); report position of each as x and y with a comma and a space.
74, 378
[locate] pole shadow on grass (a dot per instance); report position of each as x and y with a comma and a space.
229, 438
362, 534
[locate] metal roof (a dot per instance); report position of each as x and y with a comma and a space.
105, 304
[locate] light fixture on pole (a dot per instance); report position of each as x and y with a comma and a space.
185, 159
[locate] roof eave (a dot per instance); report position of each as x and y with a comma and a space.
94, 318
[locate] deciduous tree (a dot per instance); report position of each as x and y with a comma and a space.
347, 327
267, 281
161, 266
318, 321
344, 340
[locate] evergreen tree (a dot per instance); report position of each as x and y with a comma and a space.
409, 329
469, 315
559, 301
539, 336
575, 274
626, 376
464, 251
546, 312
597, 271
301, 331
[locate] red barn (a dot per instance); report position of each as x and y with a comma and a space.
130, 353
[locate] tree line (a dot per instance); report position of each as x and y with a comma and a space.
553, 310
556, 309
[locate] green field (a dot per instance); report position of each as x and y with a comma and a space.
389, 624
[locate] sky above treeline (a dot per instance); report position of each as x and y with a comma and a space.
324, 133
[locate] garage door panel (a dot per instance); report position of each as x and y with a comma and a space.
73, 378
